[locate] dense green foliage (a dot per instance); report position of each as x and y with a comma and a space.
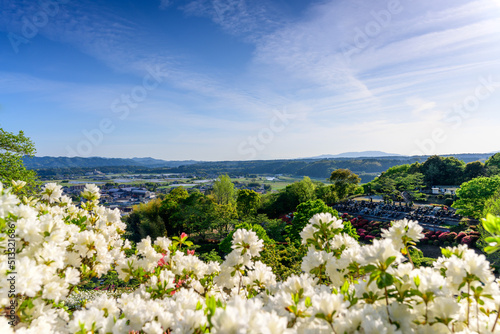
442, 170
178, 212
247, 202
145, 220
344, 182
284, 258
223, 189
221, 212
473, 195
12, 149
418, 258
474, 169
492, 205
327, 193
276, 204
493, 165
398, 179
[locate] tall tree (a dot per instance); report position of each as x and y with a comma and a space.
183, 212
327, 194
473, 194
493, 164
145, 220
302, 191
12, 149
442, 170
492, 205
224, 192
473, 170
287, 199
248, 202
344, 181
225, 216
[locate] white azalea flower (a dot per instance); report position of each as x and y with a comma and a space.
51, 192
91, 192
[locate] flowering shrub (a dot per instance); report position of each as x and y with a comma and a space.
366, 230
468, 238
459, 236
345, 287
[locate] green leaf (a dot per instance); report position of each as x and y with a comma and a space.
491, 249
369, 268
295, 298
385, 280
416, 279
390, 260
446, 252
492, 224
345, 288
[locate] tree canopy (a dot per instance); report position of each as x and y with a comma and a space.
248, 202
473, 170
493, 164
472, 195
398, 179
344, 181
12, 149
287, 199
224, 192
492, 205
442, 170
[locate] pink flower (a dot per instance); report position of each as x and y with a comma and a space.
190, 252
178, 283
162, 261
183, 236
369, 237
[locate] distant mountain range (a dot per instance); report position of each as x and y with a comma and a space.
363, 154
95, 162
66, 162
319, 167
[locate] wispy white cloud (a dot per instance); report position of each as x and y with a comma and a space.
311, 50
125, 47
164, 4
249, 19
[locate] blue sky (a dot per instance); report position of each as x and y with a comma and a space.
237, 79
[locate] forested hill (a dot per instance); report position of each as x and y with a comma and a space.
94, 162
313, 167
302, 167
367, 168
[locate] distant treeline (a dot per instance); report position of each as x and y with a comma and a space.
311, 168
366, 168
98, 162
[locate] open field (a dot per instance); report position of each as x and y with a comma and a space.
276, 182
